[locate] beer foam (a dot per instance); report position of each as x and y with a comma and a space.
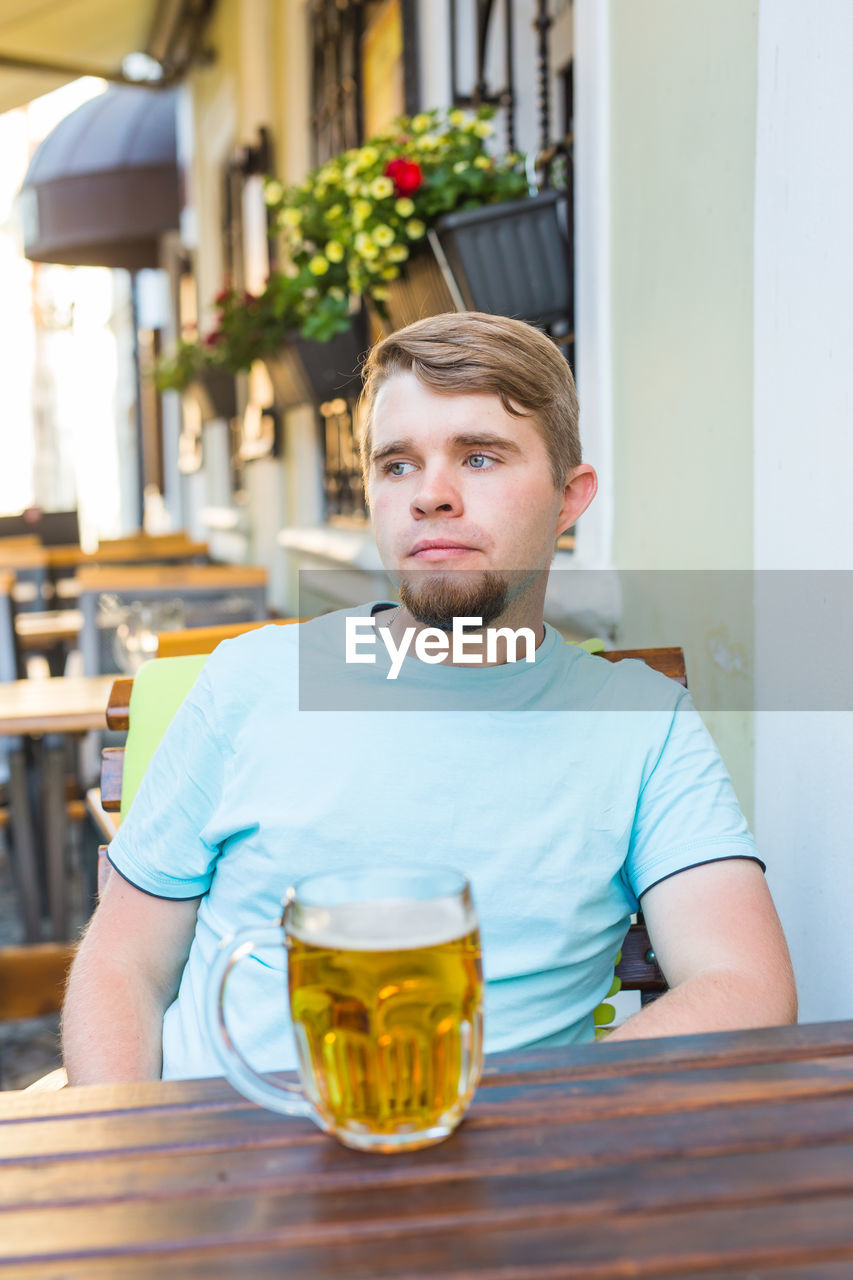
392, 924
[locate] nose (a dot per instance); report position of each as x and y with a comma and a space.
436, 493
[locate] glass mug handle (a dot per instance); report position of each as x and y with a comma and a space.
288, 1099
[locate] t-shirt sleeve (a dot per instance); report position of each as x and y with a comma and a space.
161, 846
687, 812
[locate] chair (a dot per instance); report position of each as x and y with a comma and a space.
149, 702
203, 595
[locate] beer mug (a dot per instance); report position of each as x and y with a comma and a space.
384, 974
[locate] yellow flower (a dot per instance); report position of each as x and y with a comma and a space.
380, 293
482, 162
415, 229
336, 211
405, 207
367, 156
389, 273
318, 266
273, 192
381, 187
291, 217
362, 209
365, 246
421, 123
334, 251
398, 253
456, 118
352, 188
460, 166
383, 235
483, 129
430, 142
337, 293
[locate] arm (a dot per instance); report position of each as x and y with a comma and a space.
124, 977
720, 945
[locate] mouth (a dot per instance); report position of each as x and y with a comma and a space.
439, 549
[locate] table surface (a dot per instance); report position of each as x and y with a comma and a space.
727, 1156
59, 704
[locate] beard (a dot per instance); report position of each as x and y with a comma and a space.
435, 599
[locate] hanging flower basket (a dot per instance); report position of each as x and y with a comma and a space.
510, 259
304, 371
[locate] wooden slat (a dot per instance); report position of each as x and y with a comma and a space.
112, 768
175, 644
670, 662
118, 706
32, 979
636, 972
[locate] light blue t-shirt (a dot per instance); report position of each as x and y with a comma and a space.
564, 789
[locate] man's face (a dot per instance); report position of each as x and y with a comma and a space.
464, 507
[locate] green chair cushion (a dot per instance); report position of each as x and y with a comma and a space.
159, 688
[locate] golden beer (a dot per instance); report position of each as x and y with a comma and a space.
386, 1003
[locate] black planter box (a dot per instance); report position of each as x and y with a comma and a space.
215, 392
306, 371
514, 258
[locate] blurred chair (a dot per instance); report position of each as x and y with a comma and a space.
32, 984
121, 607
18, 819
28, 560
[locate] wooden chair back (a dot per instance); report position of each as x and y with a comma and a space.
175, 644
637, 969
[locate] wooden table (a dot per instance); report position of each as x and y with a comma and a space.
46, 708
727, 1156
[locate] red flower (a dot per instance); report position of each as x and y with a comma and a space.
222, 296
214, 339
405, 174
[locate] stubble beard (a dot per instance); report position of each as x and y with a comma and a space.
434, 600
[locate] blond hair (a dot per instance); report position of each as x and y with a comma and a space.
470, 351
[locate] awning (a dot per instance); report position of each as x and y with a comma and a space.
46, 43
103, 186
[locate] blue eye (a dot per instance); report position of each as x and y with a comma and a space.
480, 461
392, 468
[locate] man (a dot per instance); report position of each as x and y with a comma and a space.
564, 787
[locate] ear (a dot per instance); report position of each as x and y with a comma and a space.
581, 487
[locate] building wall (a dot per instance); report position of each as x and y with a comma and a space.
682, 158
803, 461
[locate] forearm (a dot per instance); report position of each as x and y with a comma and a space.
723, 999
112, 1026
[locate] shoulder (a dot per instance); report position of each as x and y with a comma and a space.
629, 685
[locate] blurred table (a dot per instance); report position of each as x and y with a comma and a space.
722, 1156
46, 628
49, 708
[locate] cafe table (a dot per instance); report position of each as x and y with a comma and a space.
46, 708
726, 1155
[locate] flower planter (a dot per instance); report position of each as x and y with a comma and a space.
215, 393
513, 259
419, 291
305, 371
509, 259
